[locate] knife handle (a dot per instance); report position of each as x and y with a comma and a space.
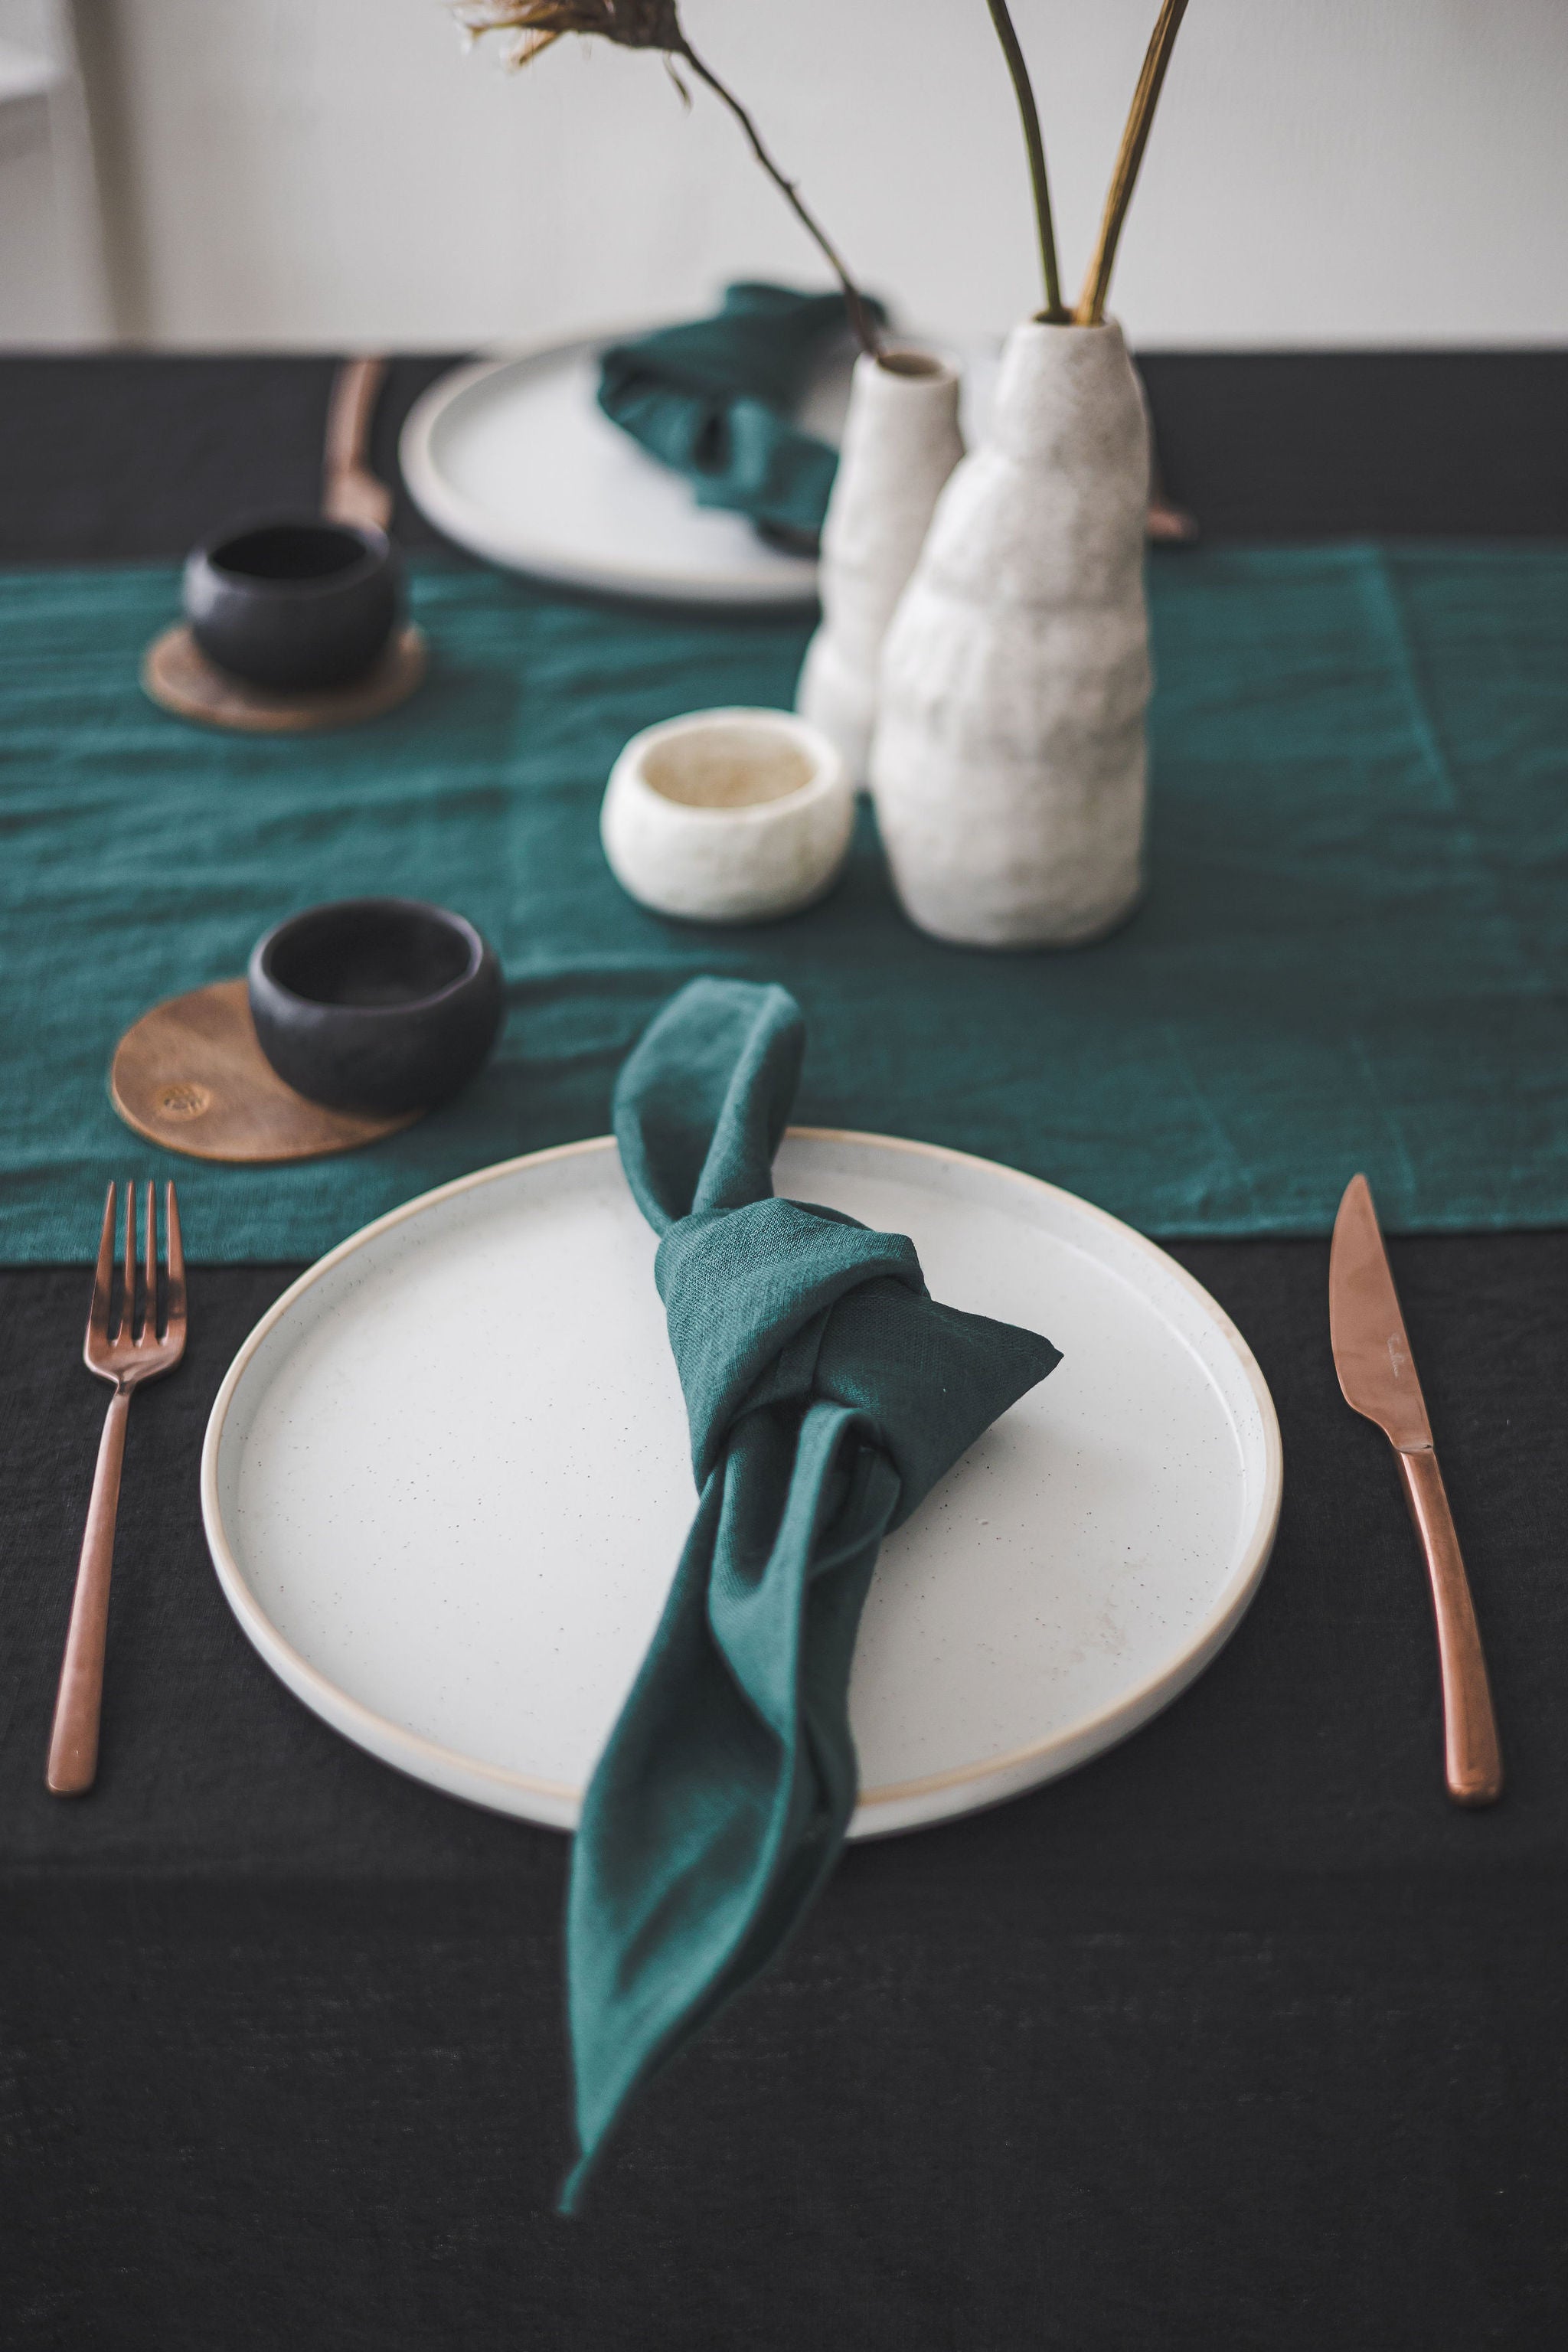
1472, 1760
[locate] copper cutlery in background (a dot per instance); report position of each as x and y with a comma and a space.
1167, 523
120, 1352
351, 493
1377, 1373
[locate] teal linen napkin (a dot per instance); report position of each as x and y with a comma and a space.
711, 398
827, 1393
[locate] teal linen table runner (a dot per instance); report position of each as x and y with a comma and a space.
1353, 952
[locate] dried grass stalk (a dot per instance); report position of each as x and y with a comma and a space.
1053, 313
1134, 139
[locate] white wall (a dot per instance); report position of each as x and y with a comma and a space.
52, 282
337, 172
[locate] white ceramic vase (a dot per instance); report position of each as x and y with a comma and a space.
1009, 763
901, 442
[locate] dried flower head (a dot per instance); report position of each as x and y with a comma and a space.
534, 24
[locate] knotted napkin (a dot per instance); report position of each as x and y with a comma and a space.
711, 398
826, 1392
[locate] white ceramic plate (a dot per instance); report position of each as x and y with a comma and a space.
446, 1480
514, 459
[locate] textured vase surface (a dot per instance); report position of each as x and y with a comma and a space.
1009, 759
900, 443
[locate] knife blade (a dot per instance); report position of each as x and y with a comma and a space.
1377, 1373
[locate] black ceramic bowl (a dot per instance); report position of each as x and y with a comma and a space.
375, 1004
295, 604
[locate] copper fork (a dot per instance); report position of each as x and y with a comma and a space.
126, 1356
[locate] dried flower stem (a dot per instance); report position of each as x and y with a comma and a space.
1134, 139
534, 24
1054, 313
860, 315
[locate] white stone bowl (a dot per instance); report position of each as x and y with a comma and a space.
728, 816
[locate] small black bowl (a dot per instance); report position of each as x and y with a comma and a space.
295, 603
380, 1005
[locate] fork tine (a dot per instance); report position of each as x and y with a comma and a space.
127, 1303
174, 1307
103, 1276
150, 1269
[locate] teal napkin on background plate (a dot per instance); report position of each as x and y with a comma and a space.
712, 398
827, 1393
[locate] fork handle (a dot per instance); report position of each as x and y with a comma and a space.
73, 1743
1472, 1758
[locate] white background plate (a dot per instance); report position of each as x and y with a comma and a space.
514, 459
446, 1480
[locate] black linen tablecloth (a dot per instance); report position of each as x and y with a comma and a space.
1239, 2036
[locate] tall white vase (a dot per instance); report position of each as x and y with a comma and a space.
1008, 765
901, 442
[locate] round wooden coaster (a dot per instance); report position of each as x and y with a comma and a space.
191, 1075
178, 674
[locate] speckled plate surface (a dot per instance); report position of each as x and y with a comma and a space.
446, 1482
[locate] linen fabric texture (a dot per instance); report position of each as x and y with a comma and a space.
827, 1392
1352, 952
711, 399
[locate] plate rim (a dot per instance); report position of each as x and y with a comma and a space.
445, 506
395, 1744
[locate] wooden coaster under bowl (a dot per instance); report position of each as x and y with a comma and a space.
177, 674
190, 1075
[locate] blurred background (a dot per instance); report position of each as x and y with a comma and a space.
326, 173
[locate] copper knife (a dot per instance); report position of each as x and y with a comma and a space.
1377, 1373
